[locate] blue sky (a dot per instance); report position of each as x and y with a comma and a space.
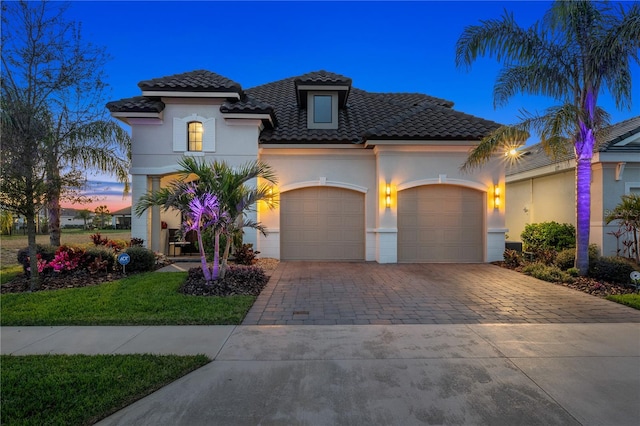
382, 46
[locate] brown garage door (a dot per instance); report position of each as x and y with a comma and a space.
322, 223
440, 223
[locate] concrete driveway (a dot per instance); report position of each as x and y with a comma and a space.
320, 293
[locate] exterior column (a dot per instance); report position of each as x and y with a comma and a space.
139, 223
155, 217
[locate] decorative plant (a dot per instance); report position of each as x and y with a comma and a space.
204, 212
234, 197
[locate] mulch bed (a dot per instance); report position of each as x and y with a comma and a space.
587, 285
57, 281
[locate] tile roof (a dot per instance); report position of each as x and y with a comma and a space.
368, 115
620, 131
536, 157
362, 115
136, 104
194, 81
322, 77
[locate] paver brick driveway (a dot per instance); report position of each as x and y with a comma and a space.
371, 293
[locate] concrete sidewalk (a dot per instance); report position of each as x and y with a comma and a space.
481, 374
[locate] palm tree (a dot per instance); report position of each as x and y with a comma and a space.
85, 215
229, 185
579, 50
100, 145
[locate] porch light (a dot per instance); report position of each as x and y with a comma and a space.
497, 194
387, 200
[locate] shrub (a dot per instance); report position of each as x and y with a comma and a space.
98, 240
566, 258
245, 255
546, 256
547, 273
45, 253
67, 258
612, 269
548, 235
97, 255
512, 258
116, 245
136, 242
142, 259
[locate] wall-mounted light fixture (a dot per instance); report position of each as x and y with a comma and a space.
497, 194
387, 199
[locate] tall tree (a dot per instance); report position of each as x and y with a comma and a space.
103, 215
22, 186
47, 65
578, 51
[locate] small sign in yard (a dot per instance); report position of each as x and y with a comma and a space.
124, 259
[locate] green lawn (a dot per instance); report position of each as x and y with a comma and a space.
81, 389
142, 299
632, 300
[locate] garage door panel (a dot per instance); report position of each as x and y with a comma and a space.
332, 225
440, 223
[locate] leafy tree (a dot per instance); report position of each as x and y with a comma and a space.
233, 196
47, 67
102, 216
85, 215
628, 213
6, 222
22, 186
580, 49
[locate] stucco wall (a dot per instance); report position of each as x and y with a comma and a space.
236, 142
542, 199
552, 198
298, 168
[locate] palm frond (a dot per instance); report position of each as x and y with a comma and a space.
500, 141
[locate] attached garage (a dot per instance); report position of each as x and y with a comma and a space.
322, 223
440, 223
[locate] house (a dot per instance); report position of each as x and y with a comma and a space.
362, 175
542, 189
121, 219
69, 219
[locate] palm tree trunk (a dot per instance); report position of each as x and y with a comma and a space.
203, 258
225, 255
583, 214
216, 255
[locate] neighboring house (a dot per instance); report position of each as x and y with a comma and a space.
68, 219
540, 189
362, 176
121, 219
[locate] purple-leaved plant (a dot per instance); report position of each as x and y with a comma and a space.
204, 212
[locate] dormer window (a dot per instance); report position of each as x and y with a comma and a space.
195, 132
322, 110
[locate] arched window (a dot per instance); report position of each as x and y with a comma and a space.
194, 135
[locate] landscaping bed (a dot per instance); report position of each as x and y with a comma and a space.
240, 280
593, 286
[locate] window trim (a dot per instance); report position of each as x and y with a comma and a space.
311, 123
181, 134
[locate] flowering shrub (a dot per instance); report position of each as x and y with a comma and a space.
67, 259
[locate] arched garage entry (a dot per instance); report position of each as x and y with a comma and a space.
322, 223
440, 223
